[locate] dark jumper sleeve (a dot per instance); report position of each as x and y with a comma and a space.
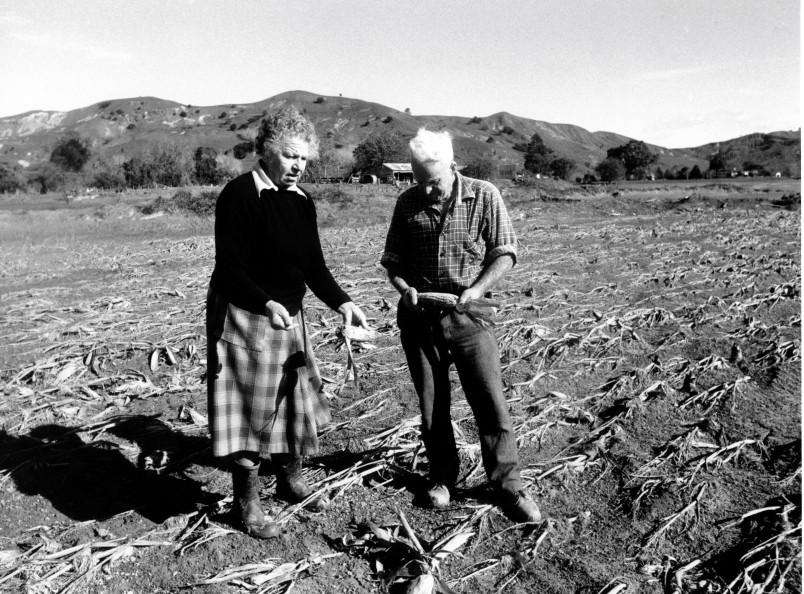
235, 218
320, 279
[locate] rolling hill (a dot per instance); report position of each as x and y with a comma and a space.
777, 151
120, 128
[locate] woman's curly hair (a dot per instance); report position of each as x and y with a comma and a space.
284, 123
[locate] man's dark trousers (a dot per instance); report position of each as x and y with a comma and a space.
434, 340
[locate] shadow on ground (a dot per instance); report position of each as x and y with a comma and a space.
95, 480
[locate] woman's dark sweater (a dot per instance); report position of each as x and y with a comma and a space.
267, 248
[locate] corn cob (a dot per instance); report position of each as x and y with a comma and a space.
449, 301
357, 334
437, 300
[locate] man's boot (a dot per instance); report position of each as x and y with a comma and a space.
246, 508
290, 483
520, 507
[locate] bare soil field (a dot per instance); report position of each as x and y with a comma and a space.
651, 353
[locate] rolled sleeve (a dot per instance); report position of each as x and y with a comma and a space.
390, 259
502, 250
499, 231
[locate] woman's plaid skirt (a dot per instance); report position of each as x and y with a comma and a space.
263, 385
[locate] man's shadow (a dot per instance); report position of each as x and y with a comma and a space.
93, 480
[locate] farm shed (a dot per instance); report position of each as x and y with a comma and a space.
389, 172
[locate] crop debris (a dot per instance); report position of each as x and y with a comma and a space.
651, 364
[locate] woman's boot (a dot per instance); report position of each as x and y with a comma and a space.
290, 483
247, 509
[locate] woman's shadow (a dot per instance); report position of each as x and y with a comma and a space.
94, 480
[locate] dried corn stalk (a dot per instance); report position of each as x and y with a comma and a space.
347, 334
400, 557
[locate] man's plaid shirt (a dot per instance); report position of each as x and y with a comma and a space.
448, 255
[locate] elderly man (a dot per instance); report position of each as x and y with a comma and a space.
452, 234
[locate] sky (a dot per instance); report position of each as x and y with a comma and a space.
675, 73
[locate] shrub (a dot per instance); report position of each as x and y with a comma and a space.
335, 195
610, 169
319, 100
562, 167
183, 201
109, 180
170, 165
481, 168
138, 173
158, 205
243, 149
228, 168
47, 177
248, 134
166, 165
71, 152
718, 161
104, 104
9, 180
635, 156
203, 204
475, 120
538, 156
205, 168
387, 146
508, 130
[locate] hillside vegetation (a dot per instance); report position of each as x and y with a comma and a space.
778, 151
120, 129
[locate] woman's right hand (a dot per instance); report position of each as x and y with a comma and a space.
278, 316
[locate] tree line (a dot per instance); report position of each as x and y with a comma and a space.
72, 163
632, 160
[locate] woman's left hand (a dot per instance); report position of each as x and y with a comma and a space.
352, 315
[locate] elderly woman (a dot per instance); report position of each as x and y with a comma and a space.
264, 386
